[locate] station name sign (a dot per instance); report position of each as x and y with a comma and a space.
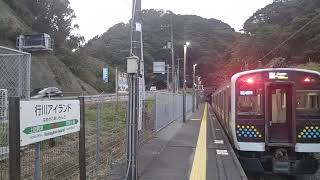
42, 120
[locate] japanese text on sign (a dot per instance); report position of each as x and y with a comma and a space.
41, 120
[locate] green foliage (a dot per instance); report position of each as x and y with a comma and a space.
7, 32
21, 10
217, 49
112, 116
278, 63
276, 28
4, 130
310, 66
210, 40
276, 22
52, 17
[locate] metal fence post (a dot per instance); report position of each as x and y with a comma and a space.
117, 84
37, 155
14, 138
197, 99
82, 141
184, 107
98, 137
155, 112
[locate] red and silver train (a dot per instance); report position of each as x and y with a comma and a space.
272, 118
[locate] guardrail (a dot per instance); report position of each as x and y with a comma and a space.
110, 97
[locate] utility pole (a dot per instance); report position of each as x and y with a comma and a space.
172, 49
184, 82
132, 70
168, 77
193, 85
178, 74
134, 63
172, 54
116, 85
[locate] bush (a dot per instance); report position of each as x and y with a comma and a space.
278, 63
310, 66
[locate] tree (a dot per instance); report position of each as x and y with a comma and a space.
55, 18
210, 39
278, 63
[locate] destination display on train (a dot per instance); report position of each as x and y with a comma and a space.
246, 93
42, 120
278, 75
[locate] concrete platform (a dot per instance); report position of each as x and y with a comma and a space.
171, 155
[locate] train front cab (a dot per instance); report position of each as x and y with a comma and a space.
277, 120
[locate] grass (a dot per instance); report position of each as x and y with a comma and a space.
4, 130
149, 106
112, 116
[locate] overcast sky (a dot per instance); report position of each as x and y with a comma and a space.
96, 16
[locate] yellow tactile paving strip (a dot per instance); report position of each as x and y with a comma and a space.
199, 166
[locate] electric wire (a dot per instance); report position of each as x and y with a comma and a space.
289, 38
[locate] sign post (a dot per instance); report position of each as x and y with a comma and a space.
123, 83
14, 137
159, 67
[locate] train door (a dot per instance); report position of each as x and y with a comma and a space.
279, 112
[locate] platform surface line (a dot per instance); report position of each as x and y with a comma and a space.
199, 169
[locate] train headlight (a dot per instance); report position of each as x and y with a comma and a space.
250, 81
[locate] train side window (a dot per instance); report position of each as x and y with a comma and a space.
283, 100
308, 102
279, 109
250, 104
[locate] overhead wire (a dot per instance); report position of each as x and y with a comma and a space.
286, 40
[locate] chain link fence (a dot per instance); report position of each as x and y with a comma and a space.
168, 107
4, 149
105, 136
105, 127
15, 68
105, 140
58, 158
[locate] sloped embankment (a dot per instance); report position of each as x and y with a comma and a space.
48, 71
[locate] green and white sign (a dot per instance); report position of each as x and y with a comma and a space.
42, 120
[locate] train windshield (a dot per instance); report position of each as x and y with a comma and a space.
250, 102
308, 102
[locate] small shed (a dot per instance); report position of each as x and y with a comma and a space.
34, 42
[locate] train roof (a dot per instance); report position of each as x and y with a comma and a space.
236, 76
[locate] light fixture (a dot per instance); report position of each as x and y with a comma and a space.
307, 79
250, 81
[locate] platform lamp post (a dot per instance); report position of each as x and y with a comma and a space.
194, 89
184, 80
197, 91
